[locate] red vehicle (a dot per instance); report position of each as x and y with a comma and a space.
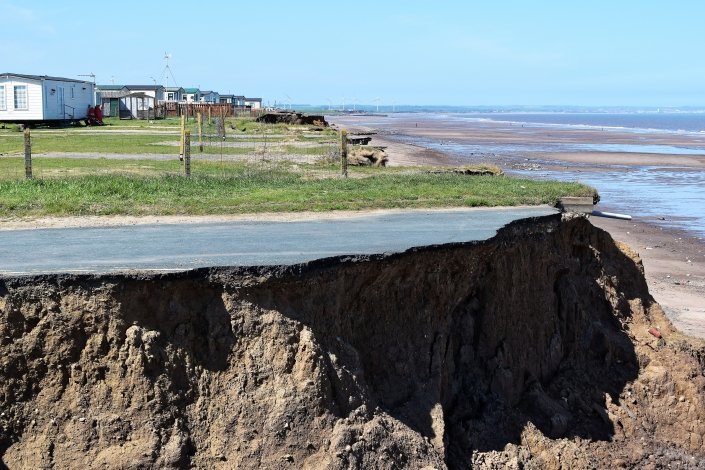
95, 116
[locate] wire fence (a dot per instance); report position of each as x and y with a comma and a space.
218, 146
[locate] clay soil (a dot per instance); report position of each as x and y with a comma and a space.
674, 263
538, 349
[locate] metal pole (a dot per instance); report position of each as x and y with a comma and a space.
27, 154
612, 215
187, 153
344, 152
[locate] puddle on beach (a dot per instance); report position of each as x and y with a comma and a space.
669, 196
666, 195
636, 148
497, 148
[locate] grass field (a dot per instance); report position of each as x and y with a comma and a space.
162, 137
73, 184
248, 188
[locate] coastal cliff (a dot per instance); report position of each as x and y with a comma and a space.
538, 348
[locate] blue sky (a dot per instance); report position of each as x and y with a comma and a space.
597, 53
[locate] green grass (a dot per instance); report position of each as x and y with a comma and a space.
141, 124
234, 188
72, 142
67, 141
79, 140
12, 168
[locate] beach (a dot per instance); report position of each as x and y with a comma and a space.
663, 197
529, 141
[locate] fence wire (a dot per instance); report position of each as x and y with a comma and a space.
227, 147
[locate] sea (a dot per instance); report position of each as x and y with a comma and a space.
666, 195
641, 122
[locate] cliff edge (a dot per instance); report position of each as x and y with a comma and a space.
538, 348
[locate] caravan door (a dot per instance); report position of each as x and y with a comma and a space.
60, 101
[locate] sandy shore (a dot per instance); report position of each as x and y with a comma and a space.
674, 261
497, 134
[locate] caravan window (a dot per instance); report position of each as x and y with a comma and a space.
20, 96
3, 106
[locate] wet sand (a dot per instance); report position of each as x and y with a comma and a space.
674, 260
493, 134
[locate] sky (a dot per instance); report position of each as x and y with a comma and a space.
465, 53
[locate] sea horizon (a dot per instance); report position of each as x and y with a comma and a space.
496, 109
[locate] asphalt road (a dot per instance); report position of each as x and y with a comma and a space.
175, 247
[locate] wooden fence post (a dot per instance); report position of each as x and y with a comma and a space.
344, 152
200, 131
181, 140
187, 153
222, 118
27, 155
209, 116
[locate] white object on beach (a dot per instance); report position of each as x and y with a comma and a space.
612, 215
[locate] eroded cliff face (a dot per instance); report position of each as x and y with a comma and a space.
530, 349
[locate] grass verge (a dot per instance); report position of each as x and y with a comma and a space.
247, 188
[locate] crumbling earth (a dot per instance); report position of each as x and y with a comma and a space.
539, 348
359, 155
290, 117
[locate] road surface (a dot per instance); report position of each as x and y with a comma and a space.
175, 247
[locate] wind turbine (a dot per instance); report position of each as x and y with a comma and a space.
343, 108
377, 100
288, 98
354, 101
330, 103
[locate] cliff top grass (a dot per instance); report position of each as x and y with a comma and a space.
243, 137
76, 187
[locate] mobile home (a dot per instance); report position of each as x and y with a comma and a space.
253, 103
33, 99
191, 95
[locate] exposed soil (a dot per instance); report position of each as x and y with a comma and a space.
529, 350
402, 154
674, 262
290, 117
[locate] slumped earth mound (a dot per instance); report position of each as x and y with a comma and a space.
529, 350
